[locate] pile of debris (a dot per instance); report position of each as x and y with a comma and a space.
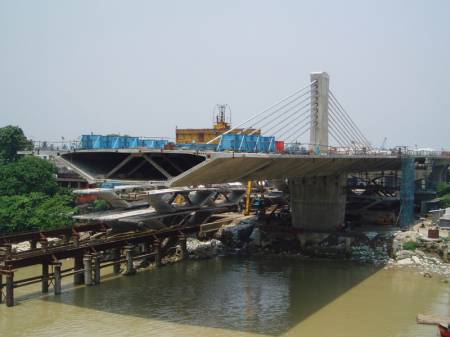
203, 249
390, 248
426, 264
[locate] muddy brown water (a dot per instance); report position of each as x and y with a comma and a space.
227, 296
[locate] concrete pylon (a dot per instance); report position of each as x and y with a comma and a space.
318, 203
319, 112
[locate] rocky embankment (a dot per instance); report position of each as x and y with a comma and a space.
393, 249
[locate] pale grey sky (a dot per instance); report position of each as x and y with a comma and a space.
143, 67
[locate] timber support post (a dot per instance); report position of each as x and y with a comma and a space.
57, 274
78, 277
96, 269
183, 248
44, 278
116, 257
348, 246
10, 289
1, 287
445, 253
157, 248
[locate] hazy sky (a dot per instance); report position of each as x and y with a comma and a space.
144, 67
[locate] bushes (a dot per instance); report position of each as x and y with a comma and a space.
28, 174
30, 197
12, 140
35, 211
410, 245
443, 191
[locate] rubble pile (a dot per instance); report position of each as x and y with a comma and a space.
203, 249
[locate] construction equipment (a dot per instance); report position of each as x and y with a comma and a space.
247, 198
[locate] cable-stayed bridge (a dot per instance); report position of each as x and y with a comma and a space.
321, 146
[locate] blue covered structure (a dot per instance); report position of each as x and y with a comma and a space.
246, 143
120, 142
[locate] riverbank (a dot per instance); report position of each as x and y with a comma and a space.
389, 249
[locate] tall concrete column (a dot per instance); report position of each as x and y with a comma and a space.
319, 112
318, 203
438, 175
407, 190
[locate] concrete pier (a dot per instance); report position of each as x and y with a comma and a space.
87, 261
318, 203
129, 253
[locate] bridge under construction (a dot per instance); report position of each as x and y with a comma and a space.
267, 146
316, 169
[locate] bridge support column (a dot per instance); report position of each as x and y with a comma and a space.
57, 278
319, 112
87, 261
129, 253
78, 277
318, 203
437, 176
96, 269
1, 287
10, 289
157, 248
116, 265
44, 278
183, 247
407, 189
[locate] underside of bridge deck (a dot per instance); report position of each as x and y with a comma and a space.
182, 168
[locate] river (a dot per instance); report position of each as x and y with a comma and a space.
227, 296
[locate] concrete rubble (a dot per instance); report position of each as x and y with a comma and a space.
391, 249
382, 249
203, 249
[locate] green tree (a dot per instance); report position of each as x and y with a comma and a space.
35, 211
443, 189
12, 140
30, 197
26, 175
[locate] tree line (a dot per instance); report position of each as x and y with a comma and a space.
30, 198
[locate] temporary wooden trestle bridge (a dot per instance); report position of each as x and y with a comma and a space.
90, 255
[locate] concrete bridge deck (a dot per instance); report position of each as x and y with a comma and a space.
185, 168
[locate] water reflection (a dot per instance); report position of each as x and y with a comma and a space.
235, 297
267, 296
